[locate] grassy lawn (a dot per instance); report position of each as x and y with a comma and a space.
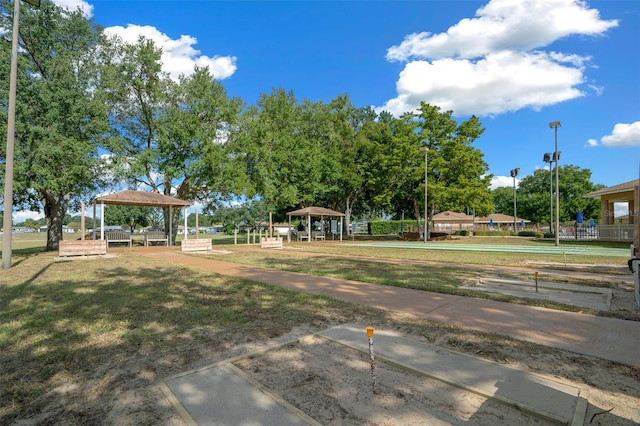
62, 321
75, 333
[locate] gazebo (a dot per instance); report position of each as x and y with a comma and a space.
319, 212
137, 198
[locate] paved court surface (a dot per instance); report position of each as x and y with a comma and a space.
551, 249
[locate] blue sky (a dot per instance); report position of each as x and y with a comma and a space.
517, 64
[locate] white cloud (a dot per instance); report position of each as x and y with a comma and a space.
623, 135
500, 181
492, 64
72, 5
500, 82
22, 215
178, 55
592, 142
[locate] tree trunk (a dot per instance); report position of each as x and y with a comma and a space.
347, 218
54, 211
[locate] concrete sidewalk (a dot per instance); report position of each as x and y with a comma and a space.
601, 337
222, 394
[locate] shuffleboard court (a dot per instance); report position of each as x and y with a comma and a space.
567, 249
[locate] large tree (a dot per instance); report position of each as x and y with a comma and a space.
536, 190
457, 176
282, 151
171, 136
60, 117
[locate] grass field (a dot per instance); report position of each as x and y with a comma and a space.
77, 335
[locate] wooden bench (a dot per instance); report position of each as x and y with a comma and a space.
303, 235
197, 244
155, 237
317, 236
82, 248
117, 237
271, 242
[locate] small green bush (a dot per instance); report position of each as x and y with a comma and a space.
492, 233
536, 234
388, 227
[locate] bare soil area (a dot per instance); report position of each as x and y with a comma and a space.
333, 384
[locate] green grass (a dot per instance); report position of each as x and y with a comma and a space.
398, 273
473, 257
68, 319
76, 322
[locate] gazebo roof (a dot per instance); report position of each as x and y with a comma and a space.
141, 198
315, 211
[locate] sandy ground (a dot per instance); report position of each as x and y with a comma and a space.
333, 384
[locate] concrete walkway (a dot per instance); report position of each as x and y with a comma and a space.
601, 337
222, 394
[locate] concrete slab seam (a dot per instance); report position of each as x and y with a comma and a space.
292, 408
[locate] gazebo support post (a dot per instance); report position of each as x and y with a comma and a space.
82, 221
102, 220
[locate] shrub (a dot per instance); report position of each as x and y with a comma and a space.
536, 234
388, 227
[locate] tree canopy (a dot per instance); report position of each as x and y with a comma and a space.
96, 112
60, 113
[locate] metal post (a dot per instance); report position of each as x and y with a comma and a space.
515, 230
426, 204
7, 218
372, 360
555, 125
550, 197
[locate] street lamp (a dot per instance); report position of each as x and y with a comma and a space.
426, 206
514, 173
549, 159
554, 125
7, 222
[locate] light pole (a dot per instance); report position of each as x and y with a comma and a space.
514, 173
548, 159
554, 125
426, 205
7, 222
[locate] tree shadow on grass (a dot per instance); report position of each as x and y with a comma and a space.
80, 336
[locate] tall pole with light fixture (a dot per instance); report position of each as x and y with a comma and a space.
548, 159
426, 205
7, 219
554, 125
514, 173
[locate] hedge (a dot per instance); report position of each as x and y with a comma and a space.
388, 227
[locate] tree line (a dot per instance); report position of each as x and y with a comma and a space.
94, 112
